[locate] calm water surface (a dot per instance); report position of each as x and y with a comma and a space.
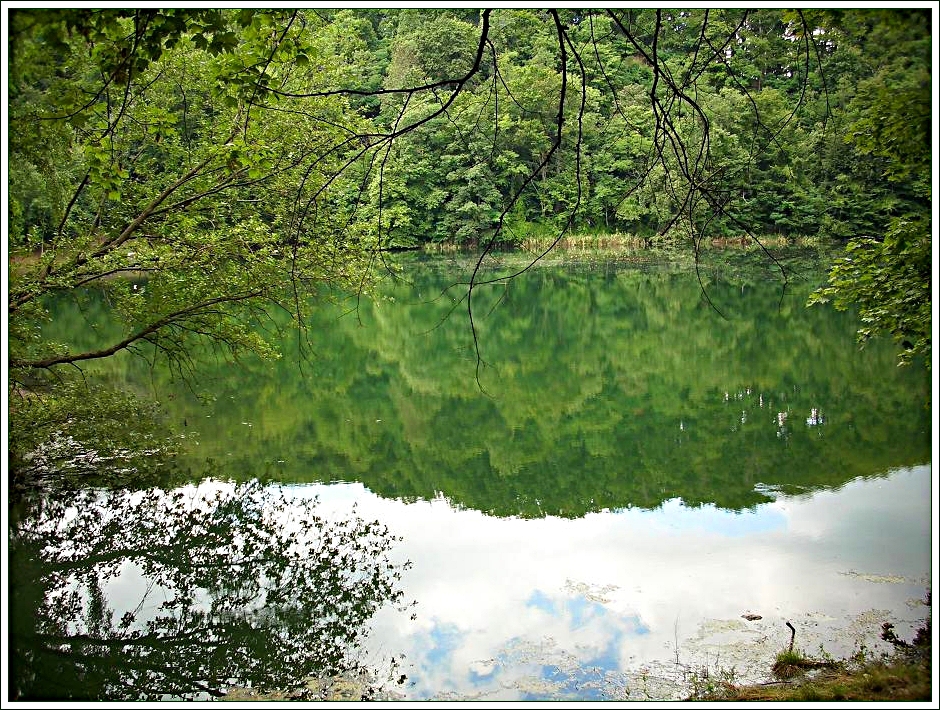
634, 471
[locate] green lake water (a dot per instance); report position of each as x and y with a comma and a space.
591, 507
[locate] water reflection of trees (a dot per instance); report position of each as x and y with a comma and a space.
607, 388
175, 594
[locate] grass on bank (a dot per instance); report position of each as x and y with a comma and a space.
905, 676
618, 242
536, 241
790, 664
898, 679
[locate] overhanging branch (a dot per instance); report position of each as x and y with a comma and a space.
143, 334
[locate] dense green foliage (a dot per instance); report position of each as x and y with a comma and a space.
163, 167
234, 161
887, 273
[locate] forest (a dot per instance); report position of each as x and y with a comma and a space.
242, 160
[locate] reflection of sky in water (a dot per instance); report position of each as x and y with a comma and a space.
557, 608
615, 603
444, 640
707, 518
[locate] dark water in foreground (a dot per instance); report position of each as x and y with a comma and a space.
635, 470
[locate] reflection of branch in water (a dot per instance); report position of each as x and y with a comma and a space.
237, 586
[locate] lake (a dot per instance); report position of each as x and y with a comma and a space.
636, 456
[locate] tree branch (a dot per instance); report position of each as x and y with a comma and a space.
139, 335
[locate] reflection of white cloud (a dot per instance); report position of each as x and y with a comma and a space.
515, 609
617, 590
885, 513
